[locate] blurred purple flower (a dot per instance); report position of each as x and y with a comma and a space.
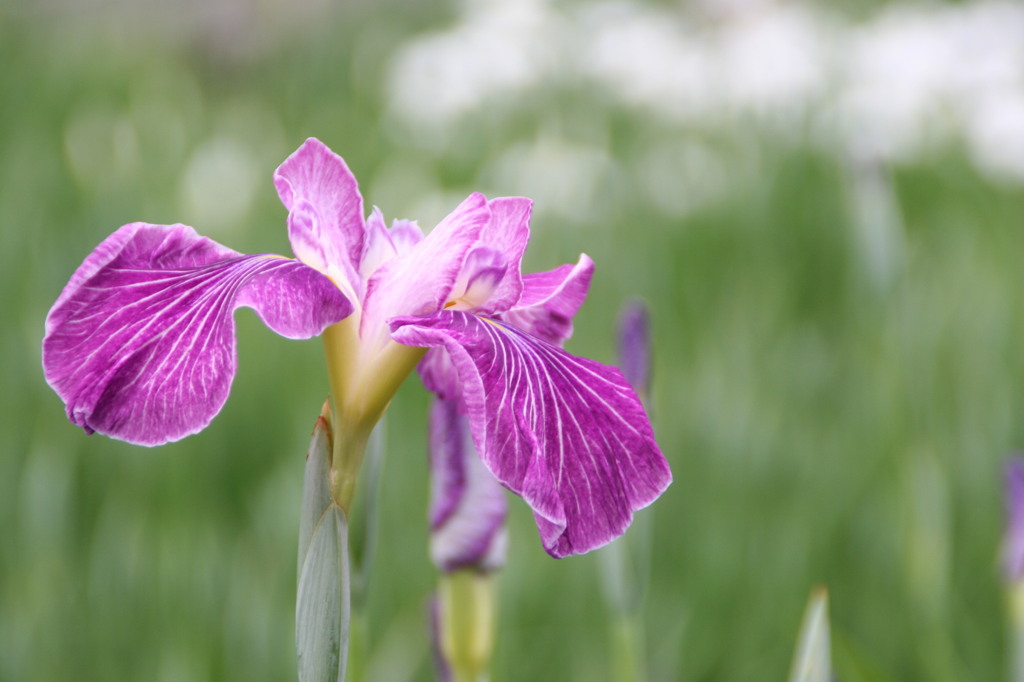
140, 344
635, 347
1013, 541
467, 505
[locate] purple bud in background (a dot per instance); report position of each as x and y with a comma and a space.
467, 505
635, 348
1013, 541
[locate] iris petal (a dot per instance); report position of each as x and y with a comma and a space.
567, 434
419, 281
438, 374
482, 273
551, 299
467, 506
325, 211
383, 244
140, 345
508, 232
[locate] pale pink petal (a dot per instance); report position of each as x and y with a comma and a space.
419, 281
482, 272
325, 211
508, 231
383, 244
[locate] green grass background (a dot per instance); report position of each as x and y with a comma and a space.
825, 427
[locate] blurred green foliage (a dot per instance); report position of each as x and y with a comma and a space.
826, 424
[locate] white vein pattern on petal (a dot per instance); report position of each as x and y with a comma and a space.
222, 295
538, 363
196, 325
194, 279
574, 438
543, 419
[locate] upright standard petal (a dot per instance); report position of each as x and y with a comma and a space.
140, 345
383, 244
325, 212
507, 232
419, 281
567, 434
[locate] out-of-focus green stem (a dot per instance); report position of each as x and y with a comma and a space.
362, 543
356, 668
1015, 597
625, 562
468, 614
812, 660
627, 654
624, 578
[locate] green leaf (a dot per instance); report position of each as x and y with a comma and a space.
812, 660
322, 605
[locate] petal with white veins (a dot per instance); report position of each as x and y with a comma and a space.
140, 345
567, 434
551, 299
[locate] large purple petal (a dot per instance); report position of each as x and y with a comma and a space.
140, 345
419, 281
325, 211
467, 506
566, 433
551, 299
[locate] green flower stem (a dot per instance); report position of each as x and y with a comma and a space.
362, 543
1015, 599
468, 615
362, 385
355, 670
624, 572
627, 656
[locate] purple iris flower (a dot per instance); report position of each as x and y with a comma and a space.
635, 347
467, 505
1013, 540
140, 343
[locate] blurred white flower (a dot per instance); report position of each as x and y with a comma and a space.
774, 61
560, 177
908, 80
495, 52
219, 185
647, 58
995, 131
